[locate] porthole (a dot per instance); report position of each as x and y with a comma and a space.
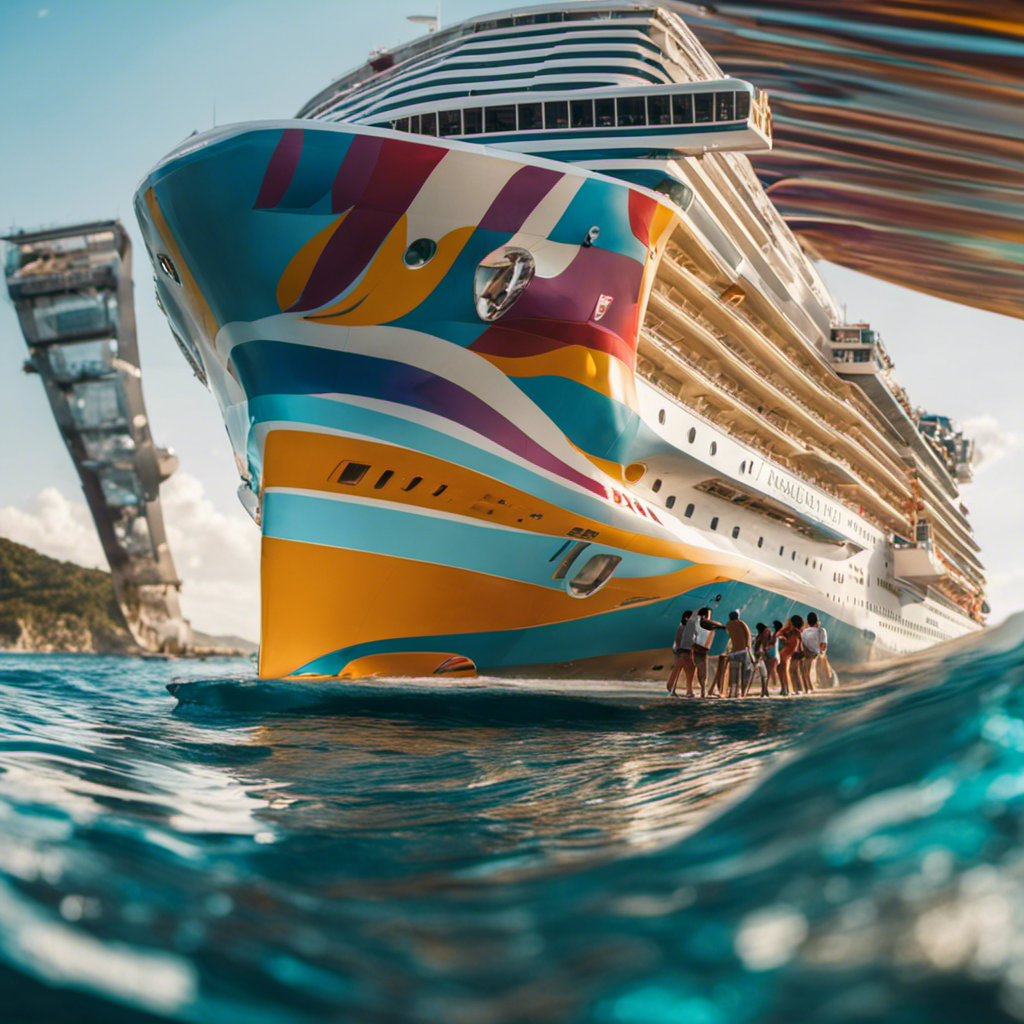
782, 550
383, 479
718, 597
420, 253
714, 523
661, 416
743, 466
735, 532
670, 501
353, 473
168, 268
594, 575
760, 542
689, 510
793, 557
413, 483
440, 490
714, 447
691, 435
500, 279
656, 486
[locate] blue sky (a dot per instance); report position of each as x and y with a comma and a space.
95, 93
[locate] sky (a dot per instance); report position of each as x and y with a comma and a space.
95, 93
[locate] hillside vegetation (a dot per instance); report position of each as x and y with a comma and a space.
48, 605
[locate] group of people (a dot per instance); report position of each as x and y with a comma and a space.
784, 654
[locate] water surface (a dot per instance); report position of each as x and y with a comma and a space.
485, 851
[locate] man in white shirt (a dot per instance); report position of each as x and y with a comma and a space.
814, 640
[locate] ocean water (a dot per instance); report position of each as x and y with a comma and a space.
483, 851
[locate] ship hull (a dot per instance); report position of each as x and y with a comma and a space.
438, 493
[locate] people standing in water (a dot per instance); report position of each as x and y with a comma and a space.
815, 642
696, 638
789, 644
766, 651
740, 660
683, 662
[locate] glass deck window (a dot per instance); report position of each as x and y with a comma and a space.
414, 124
500, 119
582, 113
704, 107
659, 110
402, 124
449, 122
556, 114
531, 117
604, 113
472, 121
682, 109
428, 124
725, 106
631, 111
743, 105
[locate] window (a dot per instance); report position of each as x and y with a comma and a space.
714, 523
661, 416
449, 122
704, 107
604, 113
556, 114
760, 542
682, 109
735, 532
414, 124
725, 106
656, 486
402, 124
743, 105
743, 466
691, 435
582, 113
631, 111
472, 121
440, 490
659, 110
413, 483
353, 473
531, 116
571, 555
782, 550
714, 447
428, 124
689, 510
793, 557
593, 575
670, 501
500, 119
383, 479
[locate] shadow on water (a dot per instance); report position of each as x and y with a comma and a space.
487, 851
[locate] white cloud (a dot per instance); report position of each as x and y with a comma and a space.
991, 442
55, 526
216, 555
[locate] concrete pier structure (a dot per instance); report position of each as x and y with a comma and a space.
72, 289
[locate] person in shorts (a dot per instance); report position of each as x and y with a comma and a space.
741, 660
789, 646
683, 662
814, 642
697, 634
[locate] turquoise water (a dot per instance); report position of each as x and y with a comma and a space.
489, 852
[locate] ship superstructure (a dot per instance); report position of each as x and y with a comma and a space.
518, 360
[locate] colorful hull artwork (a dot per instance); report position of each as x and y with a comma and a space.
437, 493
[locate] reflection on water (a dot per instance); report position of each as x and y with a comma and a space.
899, 133
494, 851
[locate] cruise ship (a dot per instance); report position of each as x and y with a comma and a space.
518, 362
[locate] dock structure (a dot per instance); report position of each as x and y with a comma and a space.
72, 290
